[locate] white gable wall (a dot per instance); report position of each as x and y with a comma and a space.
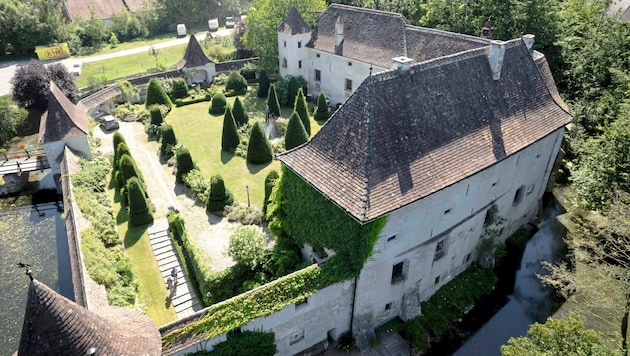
292, 52
457, 214
54, 150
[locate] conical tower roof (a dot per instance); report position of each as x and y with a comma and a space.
194, 56
54, 325
63, 119
294, 24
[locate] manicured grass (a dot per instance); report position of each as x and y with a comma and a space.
152, 293
201, 134
120, 67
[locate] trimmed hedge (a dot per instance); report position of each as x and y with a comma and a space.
229, 136
247, 343
270, 181
263, 85
184, 164
129, 169
321, 112
236, 83
295, 134
240, 115
156, 115
197, 99
217, 107
157, 95
179, 88
168, 141
117, 139
272, 101
219, 196
139, 207
259, 150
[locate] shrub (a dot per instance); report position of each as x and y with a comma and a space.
168, 141
218, 196
117, 139
263, 85
184, 164
157, 95
217, 107
236, 83
292, 90
272, 102
156, 115
128, 168
259, 149
179, 88
240, 115
300, 108
247, 245
229, 137
246, 215
270, 182
321, 113
198, 184
219, 79
139, 208
248, 343
295, 134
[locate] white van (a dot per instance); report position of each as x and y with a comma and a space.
181, 30
213, 24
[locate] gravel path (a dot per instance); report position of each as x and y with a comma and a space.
209, 232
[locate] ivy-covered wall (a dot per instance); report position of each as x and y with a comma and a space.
298, 210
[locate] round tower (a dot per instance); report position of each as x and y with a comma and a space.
293, 35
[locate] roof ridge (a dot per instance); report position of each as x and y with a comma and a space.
448, 34
367, 164
372, 11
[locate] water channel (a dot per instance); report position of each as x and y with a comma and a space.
34, 234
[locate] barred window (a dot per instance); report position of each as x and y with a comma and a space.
399, 271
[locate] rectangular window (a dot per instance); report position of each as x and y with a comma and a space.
296, 337
518, 196
467, 259
317, 55
284, 62
440, 250
437, 279
448, 211
399, 271
388, 306
318, 75
299, 64
285, 44
300, 44
348, 84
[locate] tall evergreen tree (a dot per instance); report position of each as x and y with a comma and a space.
295, 134
272, 101
157, 95
321, 113
292, 89
156, 115
263, 85
121, 150
229, 137
301, 109
240, 115
117, 139
129, 169
259, 150
139, 207
168, 141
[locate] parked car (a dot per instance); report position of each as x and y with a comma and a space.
108, 123
213, 24
75, 69
229, 22
181, 30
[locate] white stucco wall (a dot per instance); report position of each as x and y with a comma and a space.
293, 50
456, 213
198, 74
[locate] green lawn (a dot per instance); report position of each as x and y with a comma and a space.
201, 134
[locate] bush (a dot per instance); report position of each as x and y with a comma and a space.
139, 208
168, 141
243, 214
236, 83
219, 79
179, 88
300, 108
156, 115
198, 184
157, 95
263, 85
295, 134
184, 164
117, 140
129, 169
321, 113
218, 196
270, 182
240, 115
217, 107
259, 150
292, 90
248, 343
273, 106
229, 137
247, 245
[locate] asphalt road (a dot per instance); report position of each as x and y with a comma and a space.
7, 69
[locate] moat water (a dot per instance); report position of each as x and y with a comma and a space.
34, 234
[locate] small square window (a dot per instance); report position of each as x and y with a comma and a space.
348, 84
448, 211
300, 44
388, 306
318, 55
350, 64
318, 75
299, 64
530, 189
437, 279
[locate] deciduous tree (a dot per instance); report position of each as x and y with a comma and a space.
31, 84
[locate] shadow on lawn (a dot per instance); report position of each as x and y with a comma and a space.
226, 156
255, 168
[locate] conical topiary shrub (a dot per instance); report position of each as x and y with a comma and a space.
117, 139
240, 115
272, 102
263, 85
139, 207
302, 110
184, 164
168, 141
121, 150
292, 90
259, 150
270, 182
229, 138
156, 115
217, 107
218, 196
129, 169
295, 134
236, 83
157, 95
321, 113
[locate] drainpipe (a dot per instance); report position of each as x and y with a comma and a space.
354, 297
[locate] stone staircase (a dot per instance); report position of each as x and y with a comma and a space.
183, 297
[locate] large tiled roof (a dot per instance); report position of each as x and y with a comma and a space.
294, 24
403, 136
376, 37
194, 56
54, 325
63, 119
103, 9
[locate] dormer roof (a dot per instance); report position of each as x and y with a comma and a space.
294, 24
194, 56
62, 120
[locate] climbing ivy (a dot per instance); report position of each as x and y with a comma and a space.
298, 210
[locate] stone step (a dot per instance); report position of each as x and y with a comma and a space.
159, 238
160, 244
163, 251
168, 266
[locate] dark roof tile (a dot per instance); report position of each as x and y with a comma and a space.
194, 56
293, 24
63, 119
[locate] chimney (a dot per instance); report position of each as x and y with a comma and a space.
495, 58
402, 63
338, 34
529, 42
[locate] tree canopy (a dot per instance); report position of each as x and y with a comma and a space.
31, 84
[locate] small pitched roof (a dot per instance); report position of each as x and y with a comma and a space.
54, 325
62, 120
294, 24
373, 36
194, 56
403, 136
103, 9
